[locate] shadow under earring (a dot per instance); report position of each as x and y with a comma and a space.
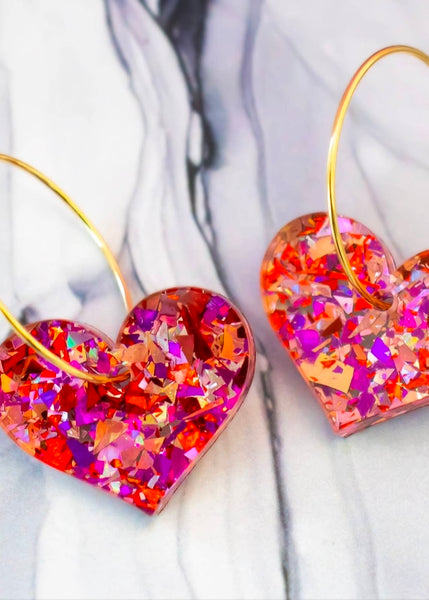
131, 417
355, 326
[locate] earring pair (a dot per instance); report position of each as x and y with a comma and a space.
355, 326
131, 417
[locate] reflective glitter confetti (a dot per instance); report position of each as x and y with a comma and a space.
192, 361
364, 365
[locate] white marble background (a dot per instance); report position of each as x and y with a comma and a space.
190, 131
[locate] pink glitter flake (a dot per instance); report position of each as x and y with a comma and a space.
364, 365
192, 361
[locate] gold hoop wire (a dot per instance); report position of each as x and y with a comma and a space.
332, 162
21, 330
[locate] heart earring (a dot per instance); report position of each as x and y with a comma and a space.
131, 417
356, 327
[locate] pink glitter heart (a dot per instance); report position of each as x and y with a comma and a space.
364, 365
192, 361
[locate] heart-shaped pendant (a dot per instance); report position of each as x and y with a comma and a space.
365, 365
191, 356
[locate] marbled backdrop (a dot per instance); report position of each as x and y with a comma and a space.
190, 131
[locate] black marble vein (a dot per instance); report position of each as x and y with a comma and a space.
271, 407
194, 88
185, 21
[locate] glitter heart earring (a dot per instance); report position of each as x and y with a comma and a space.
356, 327
132, 418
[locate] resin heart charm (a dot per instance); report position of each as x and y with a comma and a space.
191, 356
364, 365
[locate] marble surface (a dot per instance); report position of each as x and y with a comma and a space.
190, 131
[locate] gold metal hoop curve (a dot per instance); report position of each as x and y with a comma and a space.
21, 330
332, 162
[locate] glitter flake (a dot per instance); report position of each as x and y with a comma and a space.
192, 361
364, 365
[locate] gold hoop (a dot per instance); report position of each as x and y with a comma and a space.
332, 161
21, 330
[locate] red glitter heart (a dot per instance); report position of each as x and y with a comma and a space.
192, 361
364, 365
